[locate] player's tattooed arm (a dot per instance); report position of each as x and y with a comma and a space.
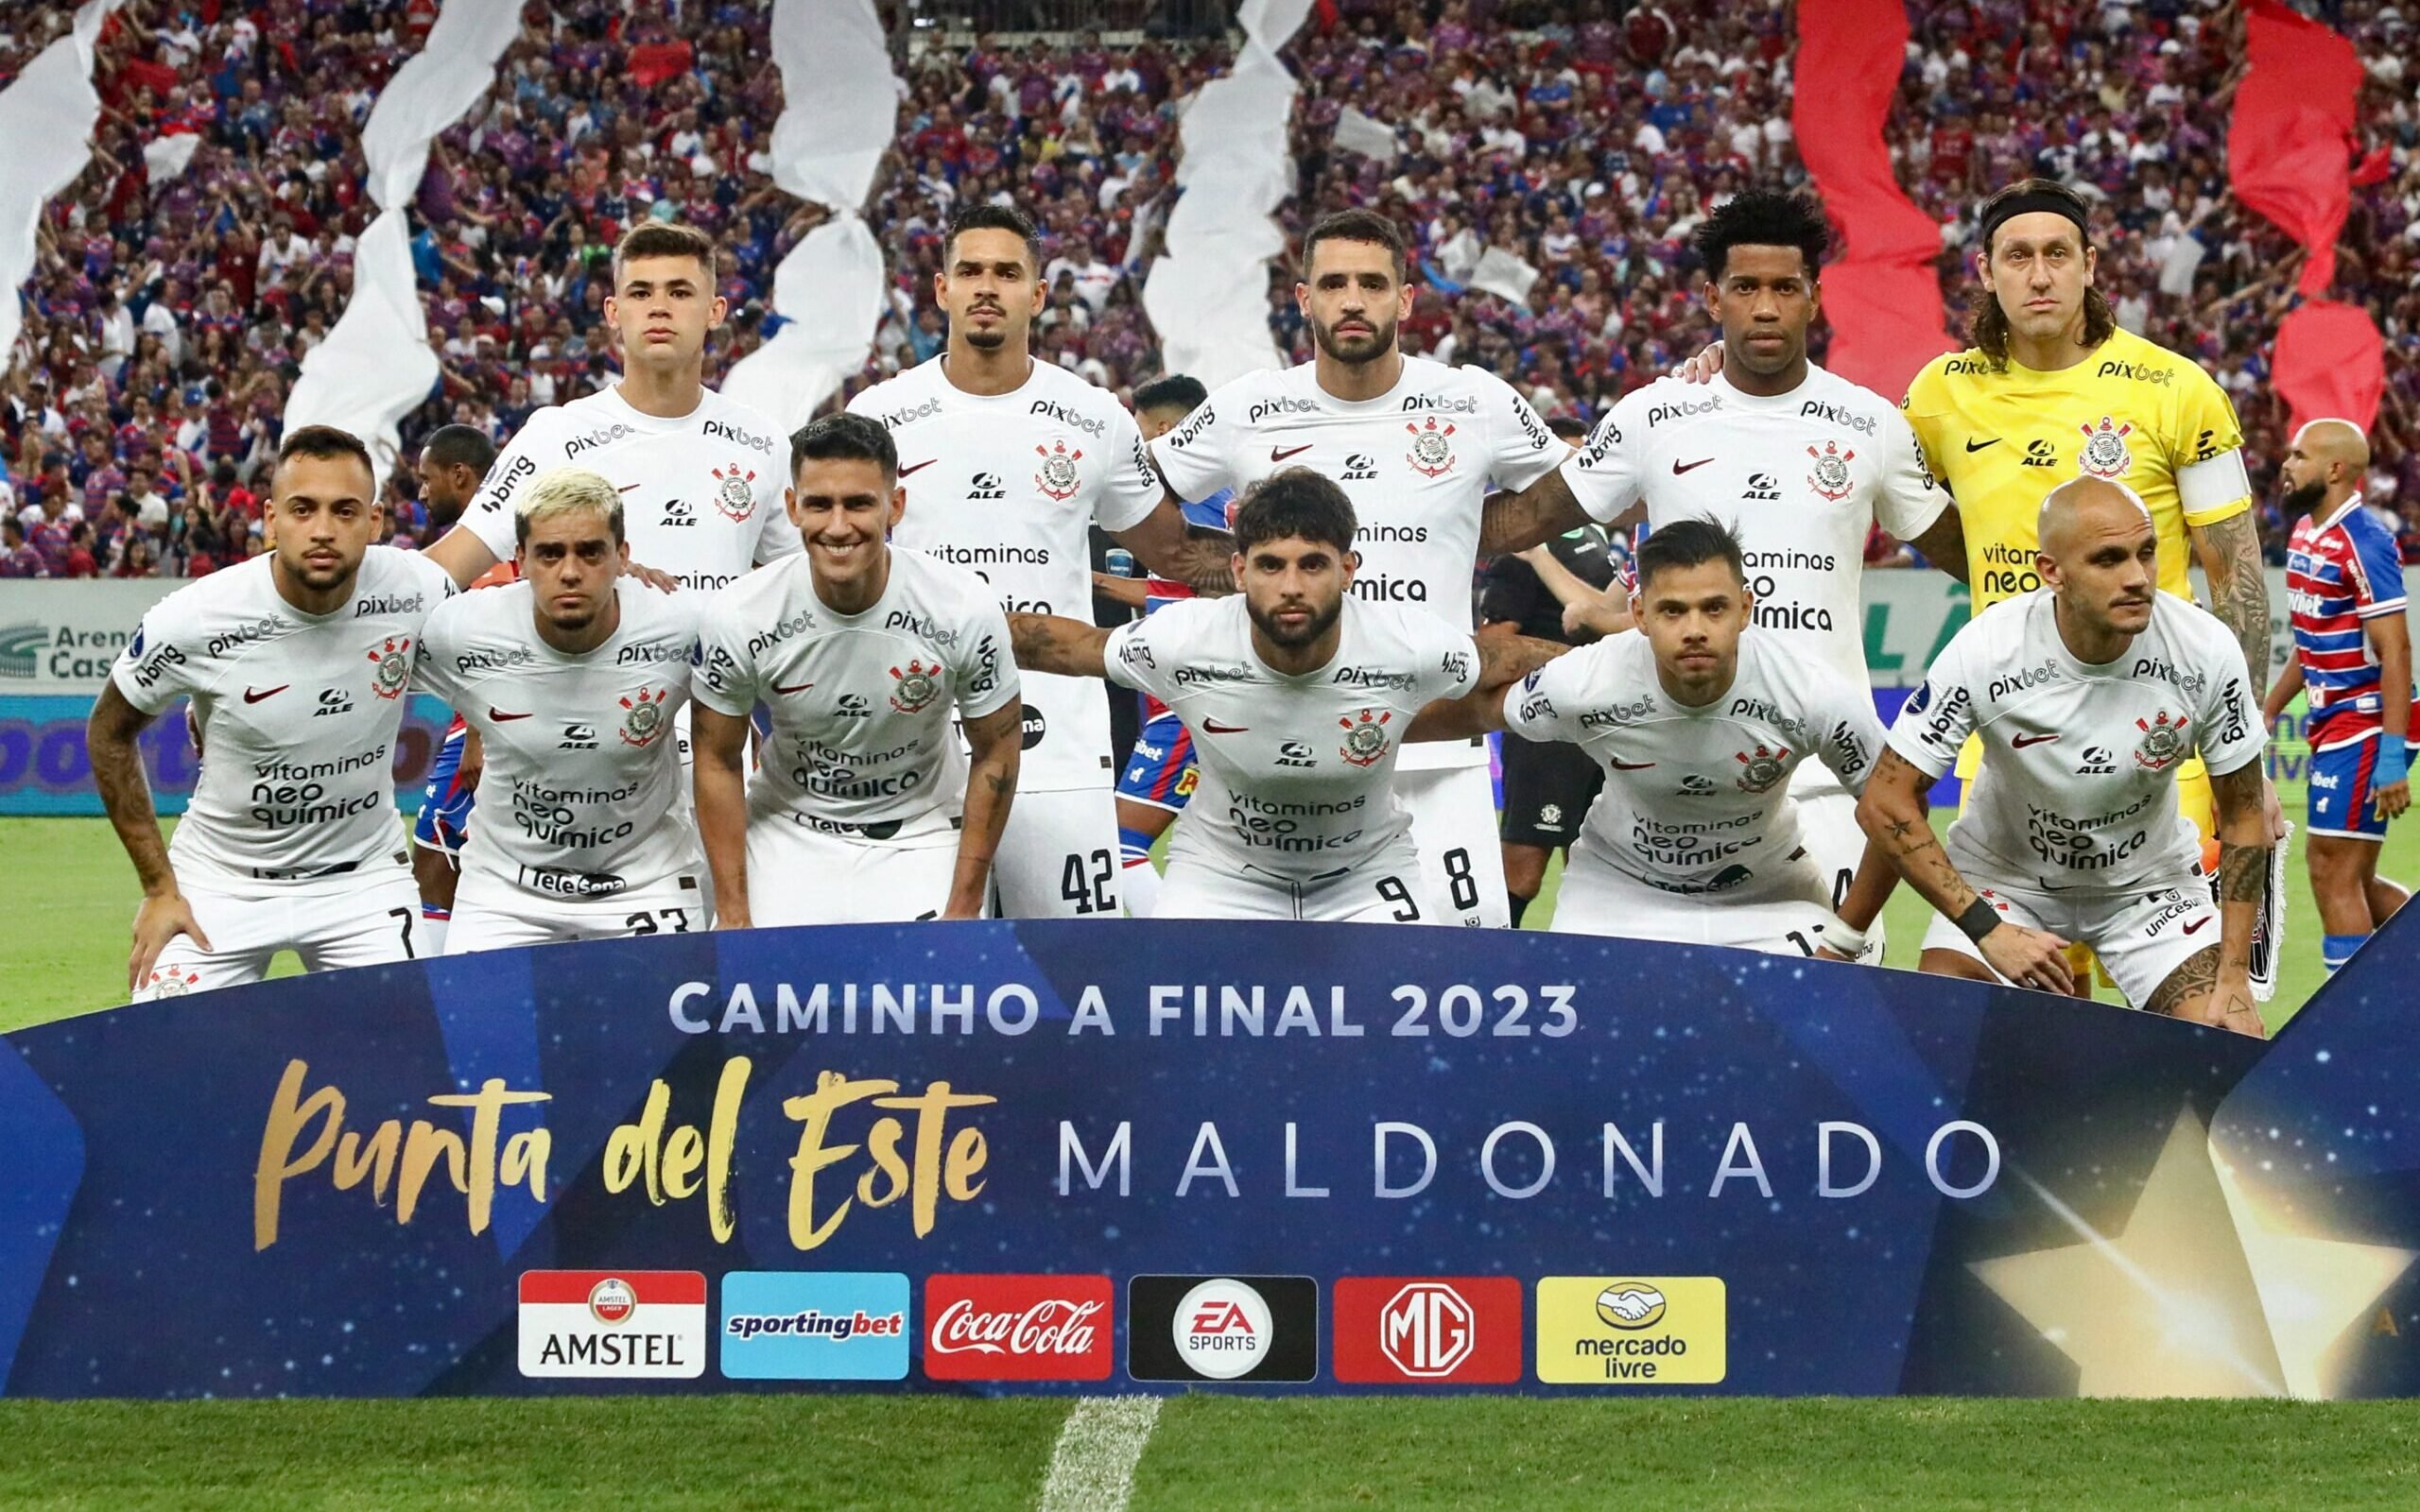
1176, 548
117, 772
995, 741
1891, 812
1515, 521
1053, 643
2230, 553
1944, 543
1504, 659
719, 743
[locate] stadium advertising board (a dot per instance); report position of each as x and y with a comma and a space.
1274, 1158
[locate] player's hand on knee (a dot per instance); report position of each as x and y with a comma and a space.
160, 919
2029, 958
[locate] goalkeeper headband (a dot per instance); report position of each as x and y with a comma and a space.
2028, 203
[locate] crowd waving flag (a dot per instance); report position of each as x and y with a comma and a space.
46, 118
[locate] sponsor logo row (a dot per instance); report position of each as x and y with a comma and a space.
1385, 1329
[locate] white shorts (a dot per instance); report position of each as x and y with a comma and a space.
676, 906
1783, 912
1058, 857
1836, 843
358, 919
1389, 889
815, 872
1453, 825
2141, 936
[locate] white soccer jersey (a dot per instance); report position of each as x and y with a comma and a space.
298, 714
2078, 786
1802, 478
1418, 464
701, 495
862, 704
1695, 798
1296, 772
1008, 486
580, 797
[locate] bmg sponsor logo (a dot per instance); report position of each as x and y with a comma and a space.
1018, 1328
1222, 1328
630, 1323
1662, 1330
782, 1324
1428, 1331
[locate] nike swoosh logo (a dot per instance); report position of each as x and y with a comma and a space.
1976, 446
250, 697
1621, 766
2197, 924
1679, 466
800, 688
1279, 453
919, 467
1212, 727
500, 716
2022, 741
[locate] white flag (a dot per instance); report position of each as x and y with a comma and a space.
1357, 132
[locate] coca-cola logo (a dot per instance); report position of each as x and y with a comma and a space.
1018, 1328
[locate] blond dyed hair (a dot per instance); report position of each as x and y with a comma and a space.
567, 491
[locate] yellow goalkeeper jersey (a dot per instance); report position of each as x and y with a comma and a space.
2132, 411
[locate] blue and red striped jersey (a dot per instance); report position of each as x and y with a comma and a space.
2339, 572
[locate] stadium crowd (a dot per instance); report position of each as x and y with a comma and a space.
1586, 138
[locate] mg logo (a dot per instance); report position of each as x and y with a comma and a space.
1426, 1329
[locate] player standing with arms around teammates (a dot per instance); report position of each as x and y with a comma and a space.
296, 662
453, 462
1698, 721
1007, 462
2353, 660
1299, 696
863, 808
1802, 463
2089, 693
571, 679
1417, 447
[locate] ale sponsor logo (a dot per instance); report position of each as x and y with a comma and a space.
1633, 1330
624, 1323
1018, 1328
1428, 1331
1222, 1328
785, 1325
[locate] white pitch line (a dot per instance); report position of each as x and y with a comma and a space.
1091, 1469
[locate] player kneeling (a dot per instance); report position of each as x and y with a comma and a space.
863, 808
2089, 693
571, 678
1699, 718
1298, 698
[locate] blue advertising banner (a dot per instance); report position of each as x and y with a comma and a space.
1006, 1157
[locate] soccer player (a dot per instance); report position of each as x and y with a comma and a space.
1698, 722
1299, 696
571, 678
296, 661
1417, 446
2089, 692
2353, 659
1801, 461
1159, 775
453, 462
863, 807
1007, 460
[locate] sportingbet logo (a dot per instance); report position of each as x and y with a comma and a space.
813, 1324
1222, 1328
1428, 1331
649, 1323
1017, 1327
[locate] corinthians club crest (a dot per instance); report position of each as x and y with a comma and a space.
917, 687
395, 664
2105, 453
172, 983
1058, 476
1432, 451
735, 492
1831, 475
2163, 741
644, 719
1759, 772
1365, 737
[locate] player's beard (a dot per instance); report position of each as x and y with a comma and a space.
1356, 351
1318, 625
2302, 500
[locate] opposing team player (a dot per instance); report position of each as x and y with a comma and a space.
2353, 659
453, 462
1698, 721
1007, 461
1417, 446
571, 679
863, 807
1299, 697
296, 662
2089, 693
1159, 775
1803, 462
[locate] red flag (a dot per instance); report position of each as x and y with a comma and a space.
1880, 295
2330, 362
2293, 129
653, 62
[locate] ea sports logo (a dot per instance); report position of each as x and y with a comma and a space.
612, 1300
1222, 1329
1630, 1305
1426, 1329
